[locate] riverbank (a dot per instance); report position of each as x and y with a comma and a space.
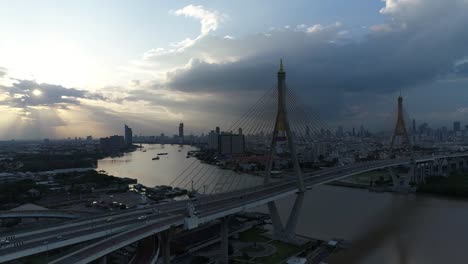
455, 185
58, 186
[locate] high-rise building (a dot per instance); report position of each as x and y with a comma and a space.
112, 144
128, 136
456, 126
181, 131
231, 144
213, 140
218, 130
240, 131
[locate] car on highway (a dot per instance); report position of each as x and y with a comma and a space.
110, 219
143, 217
4, 242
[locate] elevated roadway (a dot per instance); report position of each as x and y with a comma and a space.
40, 214
124, 228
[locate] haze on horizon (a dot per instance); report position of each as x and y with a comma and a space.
85, 68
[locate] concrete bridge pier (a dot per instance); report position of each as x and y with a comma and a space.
294, 216
422, 172
416, 174
281, 232
413, 175
146, 251
278, 229
224, 241
435, 169
165, 245
431, 169
395, 179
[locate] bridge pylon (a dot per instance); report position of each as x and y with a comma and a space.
401, 139
282, 132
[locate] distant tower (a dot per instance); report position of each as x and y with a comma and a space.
218, 130
400, 128
240, 130
181, 131
401, 133
128, 136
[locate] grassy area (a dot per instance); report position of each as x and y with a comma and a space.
284, 250
364, 178
253, 235
257, 248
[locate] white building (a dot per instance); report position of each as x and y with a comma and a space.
213, 140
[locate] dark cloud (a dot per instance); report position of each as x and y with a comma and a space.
419, 45
21, 94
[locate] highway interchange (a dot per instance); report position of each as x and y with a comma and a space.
129, 226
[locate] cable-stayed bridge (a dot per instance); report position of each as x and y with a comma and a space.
277, 132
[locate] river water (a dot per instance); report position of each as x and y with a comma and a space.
174, 166
438, 234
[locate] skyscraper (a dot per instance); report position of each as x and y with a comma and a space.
213, 140
339, 132
181, 131
218, 130
128, 136
456, 126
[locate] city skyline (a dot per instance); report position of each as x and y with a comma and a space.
64, 78
300, 131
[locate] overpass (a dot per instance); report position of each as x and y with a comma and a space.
40, 214
121, 229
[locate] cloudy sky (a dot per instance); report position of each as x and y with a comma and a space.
77, 68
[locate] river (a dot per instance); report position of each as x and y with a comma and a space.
439, 234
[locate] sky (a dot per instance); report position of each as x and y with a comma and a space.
77, 68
